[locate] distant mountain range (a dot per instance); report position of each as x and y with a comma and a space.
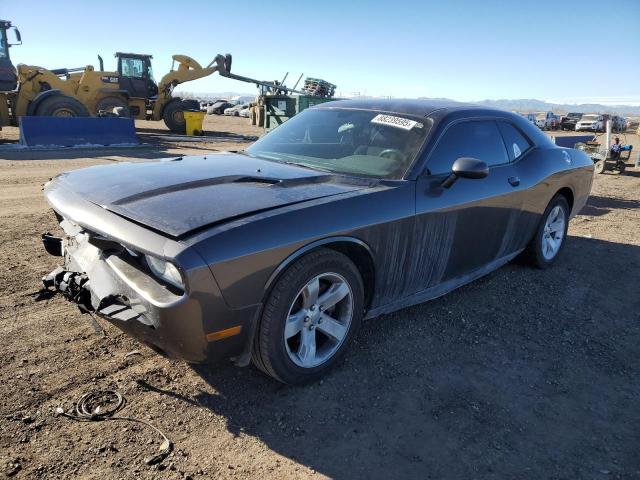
519, 105
533, 105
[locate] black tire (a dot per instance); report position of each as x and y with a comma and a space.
109, 104
173, 116
61, 106
533, 254
269, 352
260, 116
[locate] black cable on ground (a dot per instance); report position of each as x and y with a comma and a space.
102, 405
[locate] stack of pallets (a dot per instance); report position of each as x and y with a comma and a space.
319, 87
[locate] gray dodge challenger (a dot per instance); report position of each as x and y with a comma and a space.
276, 254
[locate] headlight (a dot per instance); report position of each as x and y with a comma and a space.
165, 270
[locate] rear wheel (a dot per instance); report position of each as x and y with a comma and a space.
310, 318
109, 104
546, 244
61, 106
599, 167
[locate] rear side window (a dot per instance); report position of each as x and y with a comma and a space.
517, 144
479, 139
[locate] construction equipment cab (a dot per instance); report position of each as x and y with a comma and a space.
8, 76
136, 75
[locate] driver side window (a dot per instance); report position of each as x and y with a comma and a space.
479, 139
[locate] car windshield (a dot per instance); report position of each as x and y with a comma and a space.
358, 142
590, 117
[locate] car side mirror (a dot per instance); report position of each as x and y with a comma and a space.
466, 167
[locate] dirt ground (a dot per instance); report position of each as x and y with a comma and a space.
522, 374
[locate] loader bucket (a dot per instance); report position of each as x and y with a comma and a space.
76, 131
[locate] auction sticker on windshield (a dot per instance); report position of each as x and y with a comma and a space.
393, 121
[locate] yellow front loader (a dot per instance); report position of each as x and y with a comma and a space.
129, 91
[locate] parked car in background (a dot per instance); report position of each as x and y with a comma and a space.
348, 211
591, 122
568, 121
547, 121
245, 112
235, 111
633, 124
619, 124
219, 107
531, 118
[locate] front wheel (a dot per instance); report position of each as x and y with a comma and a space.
310, 318
546, 244
111, 103
173, 114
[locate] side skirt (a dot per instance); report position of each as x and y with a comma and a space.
440, 289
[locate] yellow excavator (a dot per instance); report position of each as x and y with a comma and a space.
130, 91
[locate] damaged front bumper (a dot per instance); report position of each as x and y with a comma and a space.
112, 281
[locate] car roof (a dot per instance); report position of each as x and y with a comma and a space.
436, 110
441, 112
417, 107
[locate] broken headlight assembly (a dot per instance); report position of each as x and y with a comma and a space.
164, 270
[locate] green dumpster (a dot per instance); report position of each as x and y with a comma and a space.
306, 101
278, 109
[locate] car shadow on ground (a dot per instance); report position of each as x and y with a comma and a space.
153, 147
150, 133
150, 152
597, 205
522, 374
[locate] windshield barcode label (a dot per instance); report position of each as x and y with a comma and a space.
393, 121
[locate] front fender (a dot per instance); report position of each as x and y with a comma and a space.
35, 103
311, 246
246, 256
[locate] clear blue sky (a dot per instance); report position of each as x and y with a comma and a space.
561, 50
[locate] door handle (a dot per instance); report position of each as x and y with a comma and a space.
514, 181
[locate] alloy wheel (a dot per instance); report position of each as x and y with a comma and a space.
318, 320
553, 233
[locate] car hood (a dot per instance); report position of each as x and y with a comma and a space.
178, 196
